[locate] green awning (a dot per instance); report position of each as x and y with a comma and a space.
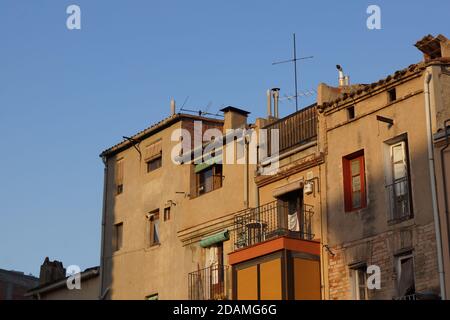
215, 238
205, 165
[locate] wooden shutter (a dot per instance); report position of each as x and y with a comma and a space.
153, 151
119, 172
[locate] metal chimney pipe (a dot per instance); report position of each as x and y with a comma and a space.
172, 107
276, 94
341, 75
269, 103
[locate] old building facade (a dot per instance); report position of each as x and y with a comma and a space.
379, 189
355, 187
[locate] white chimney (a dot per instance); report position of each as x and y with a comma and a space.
343, 79
172, 107
275, 92
269, 103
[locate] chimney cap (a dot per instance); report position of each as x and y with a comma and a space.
234, 109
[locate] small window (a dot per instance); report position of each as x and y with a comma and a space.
392, 95
118, 236
354, 181
406, 286
359, 279
166, 213
153, 234
153, 155
209, 179
351, 112
154, 164
119, 176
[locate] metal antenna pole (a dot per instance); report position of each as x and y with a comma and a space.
295, 70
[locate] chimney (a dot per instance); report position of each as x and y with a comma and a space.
343, 79
276, 95
172, 107
269, 103
434, 47
51, 271
234, 118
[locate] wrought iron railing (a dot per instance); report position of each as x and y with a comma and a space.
269, 221
399, 200
419, 296
297, 128
208, 283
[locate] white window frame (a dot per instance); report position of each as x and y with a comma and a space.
356, 281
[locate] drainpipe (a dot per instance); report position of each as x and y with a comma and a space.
245, 172
437, 224
444, 179
102, 249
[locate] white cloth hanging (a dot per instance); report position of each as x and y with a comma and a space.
293, 223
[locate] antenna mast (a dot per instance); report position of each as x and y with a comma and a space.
295, 70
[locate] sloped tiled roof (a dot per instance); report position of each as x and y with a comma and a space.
153, 129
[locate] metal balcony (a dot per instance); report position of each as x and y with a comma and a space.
208, 283
270, 221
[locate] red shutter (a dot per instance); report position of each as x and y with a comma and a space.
347, 179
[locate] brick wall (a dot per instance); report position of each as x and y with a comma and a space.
381, 250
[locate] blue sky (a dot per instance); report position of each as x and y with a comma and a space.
67, 95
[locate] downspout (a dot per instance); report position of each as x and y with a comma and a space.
102, 249
444, 178
246, 175
437, 224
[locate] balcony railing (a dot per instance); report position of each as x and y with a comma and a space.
269, 221
297, 128
399, 200
208, 283
419, 296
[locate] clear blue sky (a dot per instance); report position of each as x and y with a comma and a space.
67, 95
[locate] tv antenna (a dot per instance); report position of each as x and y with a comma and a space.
294, 60
305, 93
200, 112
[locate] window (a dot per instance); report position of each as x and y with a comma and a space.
351, 113
166, 213
359, 279
154, 164
392, 95
117, 236
119, 176
354, 181
405, 275
209, 179
153, 156
153, 223
397, 178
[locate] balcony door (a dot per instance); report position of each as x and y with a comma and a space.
291, 215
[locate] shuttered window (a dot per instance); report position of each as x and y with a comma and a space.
119, 176
153, 156
354, 181
153, 150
